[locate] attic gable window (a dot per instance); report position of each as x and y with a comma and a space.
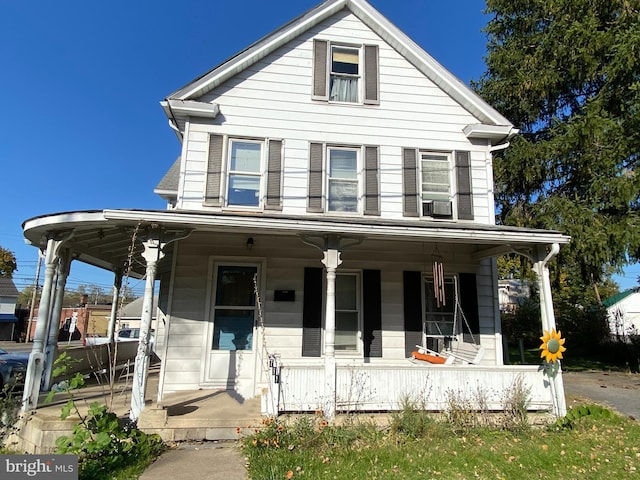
345, 73
345, 78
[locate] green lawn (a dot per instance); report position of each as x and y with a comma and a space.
418, 447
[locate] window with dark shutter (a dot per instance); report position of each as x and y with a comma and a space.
372, 313
214, 171
410, 182
274, 176
371, 181
371, 75
316, 176
312, 313
412, 293
464, 192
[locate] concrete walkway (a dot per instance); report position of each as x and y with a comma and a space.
199, 461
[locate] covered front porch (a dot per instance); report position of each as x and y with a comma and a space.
184, 249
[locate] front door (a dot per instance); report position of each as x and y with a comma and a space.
231, 359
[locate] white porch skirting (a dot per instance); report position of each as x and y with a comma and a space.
385, 387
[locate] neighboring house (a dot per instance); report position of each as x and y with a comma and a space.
623, 312
512, 293
131, 314
339, 171
8, 299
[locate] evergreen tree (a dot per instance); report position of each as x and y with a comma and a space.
567, 73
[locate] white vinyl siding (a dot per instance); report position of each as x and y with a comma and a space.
271, 100
287, 258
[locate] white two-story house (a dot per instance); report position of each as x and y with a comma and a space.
331, 210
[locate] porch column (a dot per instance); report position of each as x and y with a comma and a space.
35, 366
152, 254
331, 261
64, 266
547, 315
117, 286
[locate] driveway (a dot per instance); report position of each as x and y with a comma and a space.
618, 391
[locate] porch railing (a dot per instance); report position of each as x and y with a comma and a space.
377, 388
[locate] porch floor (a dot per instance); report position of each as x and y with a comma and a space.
184, 416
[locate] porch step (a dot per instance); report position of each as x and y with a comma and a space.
202, 415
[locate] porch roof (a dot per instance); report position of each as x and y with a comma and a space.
103, 237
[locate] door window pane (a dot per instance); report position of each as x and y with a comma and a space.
234, 310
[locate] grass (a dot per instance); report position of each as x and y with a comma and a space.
414, 445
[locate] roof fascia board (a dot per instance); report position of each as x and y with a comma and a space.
259, 50
426, 63
288, 225
380, 25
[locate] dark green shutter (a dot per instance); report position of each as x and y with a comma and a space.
469, 304
372, 313
320, 55
371, 181
410, 182
371, 76
312, 313
274, 176
214, 171
412, 287
315, 203
463, 175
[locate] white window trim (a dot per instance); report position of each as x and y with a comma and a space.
212, 307
452, 182
226, 172
358, 179
359, 350
359, 76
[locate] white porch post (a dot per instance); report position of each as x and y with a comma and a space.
64, 267
117, 286
35, 366
331, 261
547, 315
152, 254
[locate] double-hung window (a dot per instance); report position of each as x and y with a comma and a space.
345, 74
435, 169
244, 177
347, 337
343, 179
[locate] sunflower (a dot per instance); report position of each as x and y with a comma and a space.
552, 346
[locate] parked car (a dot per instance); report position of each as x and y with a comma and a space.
124, 335
13, 367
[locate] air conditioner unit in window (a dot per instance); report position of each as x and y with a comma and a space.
436, 208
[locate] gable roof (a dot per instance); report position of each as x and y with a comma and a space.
615, 299
8, 288
187, 96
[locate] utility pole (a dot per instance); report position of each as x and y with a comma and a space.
33, 297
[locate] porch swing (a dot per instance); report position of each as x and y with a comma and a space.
456, 349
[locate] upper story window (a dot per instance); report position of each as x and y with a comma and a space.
345, 73
343, 179
244, 174
345, 78
435, 171
343, 184
437, 184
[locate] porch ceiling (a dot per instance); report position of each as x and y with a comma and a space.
104, 237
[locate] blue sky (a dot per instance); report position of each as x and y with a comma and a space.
82, 127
